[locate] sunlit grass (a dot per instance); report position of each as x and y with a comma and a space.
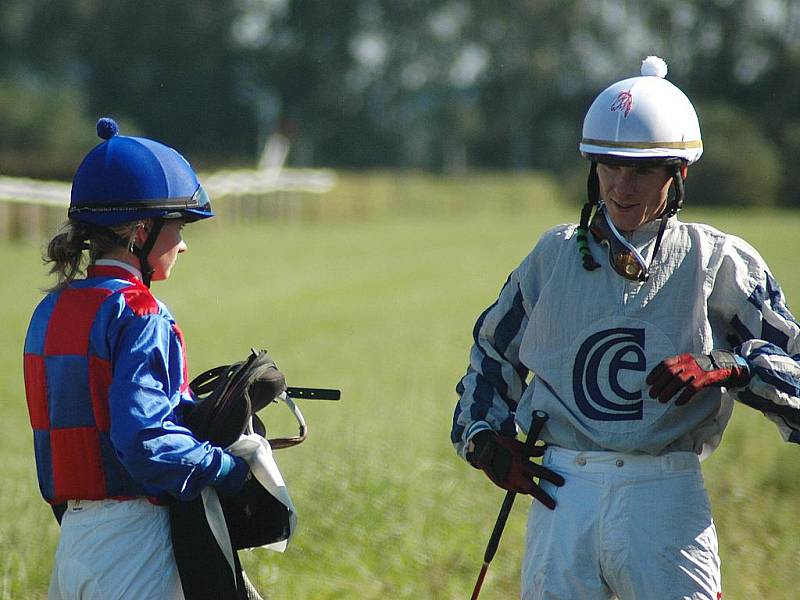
383, 308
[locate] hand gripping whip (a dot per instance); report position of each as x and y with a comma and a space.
538, 421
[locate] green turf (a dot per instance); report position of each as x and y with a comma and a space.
383, 308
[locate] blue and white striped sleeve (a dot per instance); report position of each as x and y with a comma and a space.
495, 378
769, 339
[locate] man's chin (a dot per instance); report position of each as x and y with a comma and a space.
624, 223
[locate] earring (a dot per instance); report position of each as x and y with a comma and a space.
132, 242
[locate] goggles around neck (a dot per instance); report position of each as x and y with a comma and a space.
624, 258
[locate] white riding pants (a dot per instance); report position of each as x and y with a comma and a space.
111, 549
632, 527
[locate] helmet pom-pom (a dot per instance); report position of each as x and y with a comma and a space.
107, 128
654, 67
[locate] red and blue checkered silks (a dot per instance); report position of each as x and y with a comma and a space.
105, 378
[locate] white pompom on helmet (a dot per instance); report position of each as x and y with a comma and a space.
643, 117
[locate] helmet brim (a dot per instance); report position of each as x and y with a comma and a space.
191, 208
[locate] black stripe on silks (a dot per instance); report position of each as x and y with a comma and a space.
783, 382
476, 331
777, 301
457, 431
741, 330
774, 335
772, 297
790, 416
510, 324
780, 381
492, 372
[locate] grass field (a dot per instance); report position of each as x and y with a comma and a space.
383, 309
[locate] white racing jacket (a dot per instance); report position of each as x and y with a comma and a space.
591, 337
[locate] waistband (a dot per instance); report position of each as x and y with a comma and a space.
603, 461
78, 505
83, 515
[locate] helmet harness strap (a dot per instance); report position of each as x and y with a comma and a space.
672, 208
593, 196
143, 252
680, 191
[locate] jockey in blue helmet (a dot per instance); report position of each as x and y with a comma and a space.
106, 377
126, 179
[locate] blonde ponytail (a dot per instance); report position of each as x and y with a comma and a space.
77, 244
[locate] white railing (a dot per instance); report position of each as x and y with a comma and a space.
219, 185
24, 201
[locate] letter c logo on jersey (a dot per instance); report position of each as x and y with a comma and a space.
599, 367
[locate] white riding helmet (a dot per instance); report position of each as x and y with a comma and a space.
643, 117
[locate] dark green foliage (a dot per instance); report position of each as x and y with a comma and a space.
439, 85
740, 165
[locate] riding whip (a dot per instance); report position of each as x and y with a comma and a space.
538, 421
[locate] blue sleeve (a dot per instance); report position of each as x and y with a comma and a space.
146, 388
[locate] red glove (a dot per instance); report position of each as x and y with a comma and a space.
693, 372
506, 463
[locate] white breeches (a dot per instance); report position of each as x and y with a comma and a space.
634, 527
111, 549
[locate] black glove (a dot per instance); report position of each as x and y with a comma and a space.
693, 372
506, 462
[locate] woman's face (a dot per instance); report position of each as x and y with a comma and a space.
634, 195
166, 249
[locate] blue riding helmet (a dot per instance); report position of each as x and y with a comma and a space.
129, 178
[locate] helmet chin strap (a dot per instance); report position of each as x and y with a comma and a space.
143, 252
672, 207
593, 196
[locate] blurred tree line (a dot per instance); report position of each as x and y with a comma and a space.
441, 85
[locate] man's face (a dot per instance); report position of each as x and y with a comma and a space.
634, 195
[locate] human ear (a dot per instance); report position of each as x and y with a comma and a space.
142, 231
